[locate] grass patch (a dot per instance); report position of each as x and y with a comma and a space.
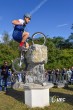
14, 100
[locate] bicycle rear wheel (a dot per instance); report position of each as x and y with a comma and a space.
19, 66
38, 38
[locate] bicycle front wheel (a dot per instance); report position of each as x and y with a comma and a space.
19, 65
38, 38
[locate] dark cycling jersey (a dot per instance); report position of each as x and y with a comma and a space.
19, 28
18, 31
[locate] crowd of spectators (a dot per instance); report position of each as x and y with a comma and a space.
7, 75
57, 75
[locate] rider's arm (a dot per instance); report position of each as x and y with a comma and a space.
18, 22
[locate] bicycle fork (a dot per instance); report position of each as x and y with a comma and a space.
21, 58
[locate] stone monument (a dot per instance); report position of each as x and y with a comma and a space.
36, 88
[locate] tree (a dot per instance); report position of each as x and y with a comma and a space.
58, 41
13, 44
71, 36
6, 38
7, 53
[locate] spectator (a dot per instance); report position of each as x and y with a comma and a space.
72, 70
49, 75
69, 73
64, 74
57, 72
72, 75
4, 73
19, 77
23, 77
54, 76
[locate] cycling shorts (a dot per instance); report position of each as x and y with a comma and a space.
17, 35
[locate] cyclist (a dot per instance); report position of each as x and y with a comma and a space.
19, 34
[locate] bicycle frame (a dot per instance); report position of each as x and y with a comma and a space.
21, 58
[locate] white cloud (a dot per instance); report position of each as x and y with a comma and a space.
62, 25
38, 7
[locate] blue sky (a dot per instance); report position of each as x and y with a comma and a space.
53, 18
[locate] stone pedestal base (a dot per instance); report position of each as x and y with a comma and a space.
36, 95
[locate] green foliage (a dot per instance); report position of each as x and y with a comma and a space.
58, 58
7, 53
60, 51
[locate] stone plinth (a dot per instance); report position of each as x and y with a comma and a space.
37, 95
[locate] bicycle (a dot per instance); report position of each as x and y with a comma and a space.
20, 65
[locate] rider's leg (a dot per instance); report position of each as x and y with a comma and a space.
25, 35
27, 45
